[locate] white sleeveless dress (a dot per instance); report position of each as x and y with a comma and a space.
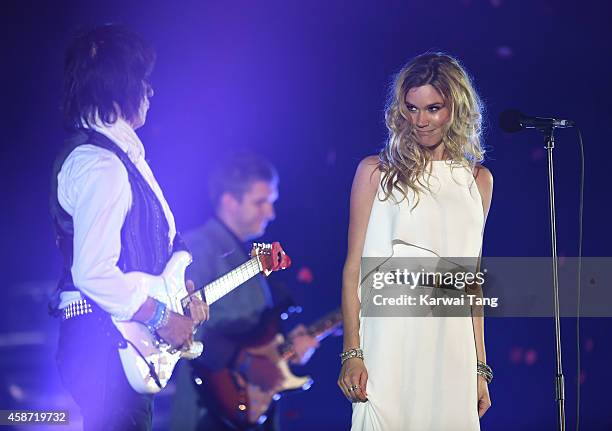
422, 370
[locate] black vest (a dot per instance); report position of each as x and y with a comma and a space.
144, 235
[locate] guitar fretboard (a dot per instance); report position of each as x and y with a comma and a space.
320, 329
226, 283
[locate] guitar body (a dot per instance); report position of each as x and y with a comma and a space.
147, 361
241, 402
139, 339
259, 400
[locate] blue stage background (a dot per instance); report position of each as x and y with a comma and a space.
304, 83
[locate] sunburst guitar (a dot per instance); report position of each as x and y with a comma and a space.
245, 404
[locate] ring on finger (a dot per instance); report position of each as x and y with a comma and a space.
354, 387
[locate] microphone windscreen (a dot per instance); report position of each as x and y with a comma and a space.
510, 121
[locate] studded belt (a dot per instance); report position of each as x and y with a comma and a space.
75, 309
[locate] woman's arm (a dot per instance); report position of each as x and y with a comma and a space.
365, 185
484, 181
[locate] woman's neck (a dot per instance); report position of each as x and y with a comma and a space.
437, 152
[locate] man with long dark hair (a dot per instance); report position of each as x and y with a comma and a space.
114, 228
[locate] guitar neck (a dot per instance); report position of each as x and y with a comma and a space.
226, 283
321, 329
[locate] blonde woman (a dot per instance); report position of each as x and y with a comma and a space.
424, 191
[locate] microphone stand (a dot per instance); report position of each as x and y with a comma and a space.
549, 141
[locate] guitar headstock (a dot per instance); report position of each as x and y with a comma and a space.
271, 257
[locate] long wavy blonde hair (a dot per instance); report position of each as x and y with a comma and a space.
403, 162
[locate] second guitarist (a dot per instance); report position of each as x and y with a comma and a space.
242, 190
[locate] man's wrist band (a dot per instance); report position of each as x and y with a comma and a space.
485, 371
165, 318
349, 354
160, 317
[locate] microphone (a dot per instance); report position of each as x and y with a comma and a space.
512, 121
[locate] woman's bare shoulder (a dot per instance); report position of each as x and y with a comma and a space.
483, 177
368, 171
484, 182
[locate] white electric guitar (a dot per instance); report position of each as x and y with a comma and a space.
147, 360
